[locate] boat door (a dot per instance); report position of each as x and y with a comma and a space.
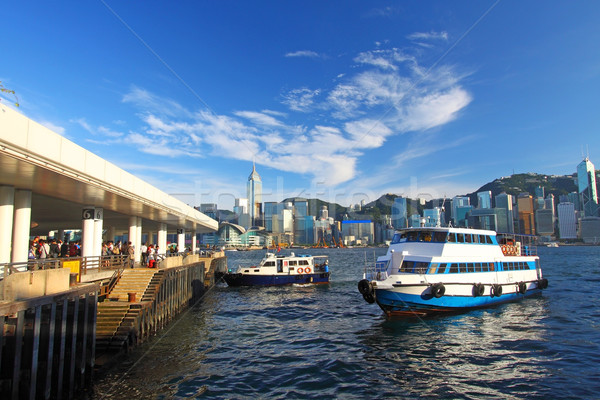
279, 265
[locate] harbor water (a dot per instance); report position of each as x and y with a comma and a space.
326, 342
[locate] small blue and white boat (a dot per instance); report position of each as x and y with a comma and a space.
441, 270
281, 270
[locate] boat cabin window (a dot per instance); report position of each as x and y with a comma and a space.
293, 262
425, 237
439, 236
399, 237
460, 238
412, 236
407, 266
453, 268
270, 264
302, 262
475, 238
432, 268
452, 237
421, 267
468, 238
441, 269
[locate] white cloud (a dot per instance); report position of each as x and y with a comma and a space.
300, 99
432, 35
433, 109
259, 118
303, 53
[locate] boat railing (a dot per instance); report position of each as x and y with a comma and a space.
376, 270
513, 244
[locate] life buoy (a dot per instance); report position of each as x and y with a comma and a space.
307, 270
438, 290
300, 270
522, 287
504, 249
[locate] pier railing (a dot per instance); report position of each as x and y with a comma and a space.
83, 265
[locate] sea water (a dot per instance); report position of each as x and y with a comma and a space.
326, 342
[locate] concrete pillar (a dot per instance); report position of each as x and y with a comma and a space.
61, 235
21, 226
7, 213
180, 240
138, 240
132, 234
161, 239
87, 232
98, 228
194, 239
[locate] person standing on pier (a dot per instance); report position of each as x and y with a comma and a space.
131, 253
144, 253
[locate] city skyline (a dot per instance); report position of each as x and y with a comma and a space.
338, 101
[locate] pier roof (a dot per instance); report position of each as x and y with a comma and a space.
65, 178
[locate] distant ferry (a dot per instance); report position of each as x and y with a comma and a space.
439, 270
281, 270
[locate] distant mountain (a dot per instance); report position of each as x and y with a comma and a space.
521, 183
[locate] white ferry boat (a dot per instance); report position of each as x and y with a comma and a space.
439, 270
281, 270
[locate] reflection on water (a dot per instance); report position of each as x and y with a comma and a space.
324, 341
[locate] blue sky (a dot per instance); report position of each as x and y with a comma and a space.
338, 100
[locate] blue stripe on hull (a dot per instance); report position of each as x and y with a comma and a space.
395, 303
270, 280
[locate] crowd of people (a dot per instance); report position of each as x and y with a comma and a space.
56, 248
53, 248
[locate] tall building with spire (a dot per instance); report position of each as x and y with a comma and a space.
254, 188
586, 182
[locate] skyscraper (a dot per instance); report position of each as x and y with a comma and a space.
505, 201
586, 182
399, 220
484, 199
567, 222
254, 196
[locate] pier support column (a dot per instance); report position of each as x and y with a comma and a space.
87, 232
132, 234
161, 239
21, 226
98, 228
138, 241
7, 211
194, 239
180, 240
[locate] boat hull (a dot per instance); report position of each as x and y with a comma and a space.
240, 279
400, 304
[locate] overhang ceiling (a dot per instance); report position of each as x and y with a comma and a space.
58, 200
